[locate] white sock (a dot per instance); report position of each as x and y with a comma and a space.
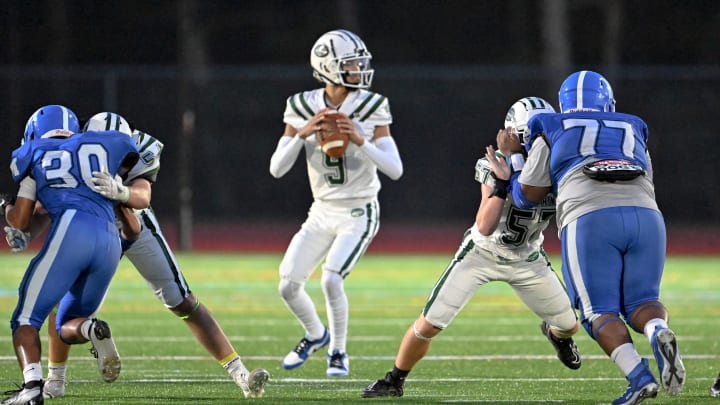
651, 325
337, 310
235, 365
32, 372
626, 357
303, 308
85, 328
56, 371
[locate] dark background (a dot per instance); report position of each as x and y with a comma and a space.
450, 69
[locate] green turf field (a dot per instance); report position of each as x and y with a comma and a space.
493, 353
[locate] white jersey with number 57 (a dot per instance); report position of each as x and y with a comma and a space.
353, 175
519, 234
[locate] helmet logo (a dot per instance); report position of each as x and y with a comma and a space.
321, 51
510, 115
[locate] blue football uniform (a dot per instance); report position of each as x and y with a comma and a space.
82, 249
612, 232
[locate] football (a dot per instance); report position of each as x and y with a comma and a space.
332, 141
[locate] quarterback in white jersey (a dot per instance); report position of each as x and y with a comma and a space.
504, 244
344, 216
153, 259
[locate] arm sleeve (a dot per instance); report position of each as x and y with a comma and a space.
384, 153
285, 154
518, 196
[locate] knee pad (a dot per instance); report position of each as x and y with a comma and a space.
601, 321
289, 289
186, 308
420, 335
332, 285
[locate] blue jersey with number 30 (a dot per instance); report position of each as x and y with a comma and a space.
575, 137
62, 169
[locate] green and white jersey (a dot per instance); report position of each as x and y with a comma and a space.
148, 165
519, 234
353, 175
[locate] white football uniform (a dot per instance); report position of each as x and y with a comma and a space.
353, 175
150, 253
513, 254
344, 217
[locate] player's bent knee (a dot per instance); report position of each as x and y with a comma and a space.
565, 325
644, 312
332, 285
599, 322
424, 330
186, 308
289, 289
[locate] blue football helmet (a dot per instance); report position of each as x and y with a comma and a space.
586, 91
51, 121
108, 121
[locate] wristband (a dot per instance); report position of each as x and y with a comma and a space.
500, 188
516, 162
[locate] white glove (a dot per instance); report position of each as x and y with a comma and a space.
16, 239
111, 188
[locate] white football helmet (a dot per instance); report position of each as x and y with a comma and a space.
340, 57
108, 121
520, 113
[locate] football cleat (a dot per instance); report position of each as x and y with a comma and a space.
338, 364
104, 350
566, 349
387, 387
670, 365
642, 386
252, 383
54, 388
30, 393
715, 389
303, 350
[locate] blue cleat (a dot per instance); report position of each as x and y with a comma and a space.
303, 350
670, 365
338, 364
642, 386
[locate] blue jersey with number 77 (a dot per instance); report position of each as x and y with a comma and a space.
578, 136
62, 169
